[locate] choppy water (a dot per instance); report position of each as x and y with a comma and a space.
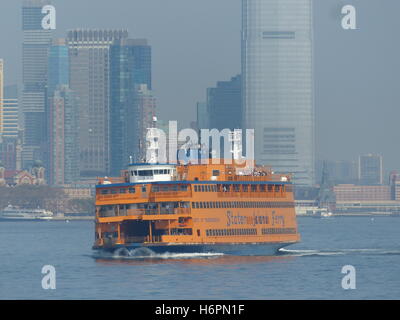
308, 270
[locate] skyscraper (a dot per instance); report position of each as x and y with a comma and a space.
224, 104
35, 47
89, 79
370, 169
145, 105
58, 66
130, 66
202, 118
277, 73
64, 135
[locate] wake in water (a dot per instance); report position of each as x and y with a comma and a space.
335, 252
146, 253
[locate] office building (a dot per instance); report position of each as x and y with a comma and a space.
36, 43
64, 137
370, 169
224, 104
89, 52
130, 66
277, 71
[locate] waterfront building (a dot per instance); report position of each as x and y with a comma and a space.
357, 193
277, 71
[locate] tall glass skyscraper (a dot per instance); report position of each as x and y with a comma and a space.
58, 66
277, 71
130, 66
35, 48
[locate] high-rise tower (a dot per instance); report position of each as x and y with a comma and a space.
130, 67
89, 57
277, 71
36, 42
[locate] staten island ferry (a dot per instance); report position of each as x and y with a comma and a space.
195, 208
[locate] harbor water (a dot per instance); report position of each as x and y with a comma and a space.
311, 269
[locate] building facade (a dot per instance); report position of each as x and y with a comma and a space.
64, 137
224, 104
89, 57
370, 169
357, 193
277, 71
36, 43
130, 67
58, 66
145, 105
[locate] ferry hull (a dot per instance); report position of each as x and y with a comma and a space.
139, 249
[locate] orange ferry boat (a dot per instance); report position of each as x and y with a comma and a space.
195, 208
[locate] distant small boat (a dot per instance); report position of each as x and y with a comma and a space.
21, 214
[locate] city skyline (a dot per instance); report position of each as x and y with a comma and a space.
334, 18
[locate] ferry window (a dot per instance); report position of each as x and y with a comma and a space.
175, 188
195, 188
135, 172
104, 191
113, 191
122, 190
202, 188
215, 173
132, 173
254, 187
245, 187
270, 188
277, 188
144, 189
184, 188
262, 187
155, 189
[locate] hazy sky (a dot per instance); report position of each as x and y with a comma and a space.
196, 43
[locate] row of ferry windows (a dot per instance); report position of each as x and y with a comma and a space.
148, 173
122, 190
231, 232
241, 204
241, 188
278, 231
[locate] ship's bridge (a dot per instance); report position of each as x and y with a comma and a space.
151, 172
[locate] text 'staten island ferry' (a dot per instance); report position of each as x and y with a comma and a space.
195, 208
